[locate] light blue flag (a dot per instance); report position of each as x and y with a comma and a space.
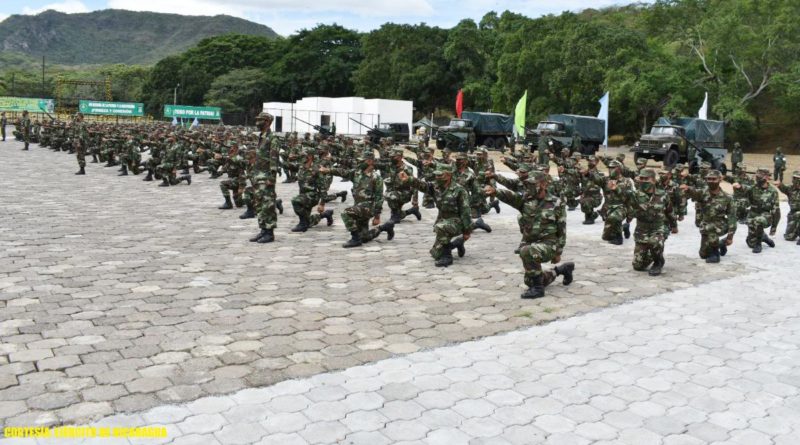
174, 121
603, 114
195, 124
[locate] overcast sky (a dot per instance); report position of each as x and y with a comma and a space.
289, 16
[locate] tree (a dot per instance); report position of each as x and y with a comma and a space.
239, 91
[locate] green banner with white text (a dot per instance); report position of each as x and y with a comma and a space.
187, 112
26, 103
111, 108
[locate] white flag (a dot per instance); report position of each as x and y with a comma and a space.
702, 113
603, 114
195, 124
174, 121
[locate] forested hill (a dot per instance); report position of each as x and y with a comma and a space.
115, 36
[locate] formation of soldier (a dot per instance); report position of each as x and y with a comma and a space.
464, 189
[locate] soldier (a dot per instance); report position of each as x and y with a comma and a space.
577, 144
481, 165
169, 164
543, 148
674, 197
264, 178
425, 167
25, 129
737, 157
719, 219
779, 165
649, 205
698, 181
311, 193
793, 218
570, 175
641, 164
131, 156
399, 193
80, 139
3, 123
591, 196
762, 199
453, 218
368, 200
466, 178
543, 232
326, 159
614, 209
678, 178
236, 168
740, 200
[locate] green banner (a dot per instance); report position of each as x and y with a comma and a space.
183, 111
111, 108
26, 103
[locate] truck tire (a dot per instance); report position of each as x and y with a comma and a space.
489, 143
440, 144
500, 144
671, 158
722, 168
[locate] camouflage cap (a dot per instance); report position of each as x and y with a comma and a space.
614, 164
664, 172
647, 173
641, 161
442, 168
737, 145
576, 155
460, 156
397, 151
762, 171
524, 167
796, 174
366, 155
481, 151
263, 116
536, 177
592, 158
565, 150
713, 174
308, 151
678, 167
620, 157
705, 165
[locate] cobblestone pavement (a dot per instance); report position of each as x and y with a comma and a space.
119, 296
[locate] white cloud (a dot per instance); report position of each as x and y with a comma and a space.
3, 17
67, 6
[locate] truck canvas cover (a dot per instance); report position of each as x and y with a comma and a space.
485, 123
590, 128
699, 131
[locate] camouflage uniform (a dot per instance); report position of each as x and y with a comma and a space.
481, 165
399, 193
793, 218
425, 168
25, 129
674, 197
169, 164
236, 168
131, 157
740, 199
719, 219
592, 195
311, 186
80, 139
264, 178
614, 208
698, 181
779, 165
649, 205
570, 175
737, 157
541, 221
763, 200
466, 178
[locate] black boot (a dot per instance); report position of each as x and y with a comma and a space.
395, 217
617, 240
185, 171
187, 178
519, 248
588, 220
149, 176
249, 213
164, 182
626, 230
798, 242
723, 248
768, 241
655, 269
447, 257
227, 205
82, 171
387, 227
414, 211
355, 240
458, 243
259, 235
343, 195
757, 247
713, 256
94, 159
565, 270
328, 214
124, 170
496, 205
301, 226
279, 205
430, 205
479, 224
268, 237
535, 289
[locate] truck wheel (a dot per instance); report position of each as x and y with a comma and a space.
636, 157
722, 168
671, 158
489, 143
440, 145
500, 144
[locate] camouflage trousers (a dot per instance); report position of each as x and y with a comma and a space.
612, 229
27, 139
132, 160
532, 256
741, 206
756, 224
229, 186
649, 247
445, 230
792, 225
151, 165
212, 165
698, 214
396, 199
303, 204
80, 151
166, 170
590, 201
710, 235
264, 195
357, 218
571, 194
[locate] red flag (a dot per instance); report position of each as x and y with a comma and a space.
459, 103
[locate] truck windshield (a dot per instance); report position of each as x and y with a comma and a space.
458, 124
385, 127
664, 131
552, 126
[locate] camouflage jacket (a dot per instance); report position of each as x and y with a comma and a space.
267, 159
540, 220
742, 179
762, 200
793, 194
367, 187
309, 180
615, 198
453, 202
718, 209
236, 167
652, 213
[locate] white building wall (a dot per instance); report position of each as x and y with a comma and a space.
341, 111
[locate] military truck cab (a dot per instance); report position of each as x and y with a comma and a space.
396, 130
458, 135
560, 129
688, 140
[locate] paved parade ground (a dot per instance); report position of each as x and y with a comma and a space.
123, 303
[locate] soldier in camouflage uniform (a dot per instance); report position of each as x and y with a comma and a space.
779, 165
698, 181
541, 221
737, 157
80, 139
792, 192
674, 197
570, 175
740, 200
763, 200
326, 159
480, 166
592, 195
453, 218
131, 156
649, 205
466, 178
399, 193
614, 208
641, 164
25, 129
719, 219
169, 164
264, 179
425, 167
368, 200
311, 186
236, 168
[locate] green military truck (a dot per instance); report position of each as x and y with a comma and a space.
684, 139
561, 128
475, 129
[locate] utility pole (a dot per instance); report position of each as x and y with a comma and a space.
175, 95
43, 91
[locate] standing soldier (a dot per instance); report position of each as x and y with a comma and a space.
737, 157
779, 163
592, 195
266, 173
25, 124
80, 139
3, 123
577, 144
543, 148
674, 197
793, 218
719, 219
453, 218
763, 199
543, 232
649, 205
